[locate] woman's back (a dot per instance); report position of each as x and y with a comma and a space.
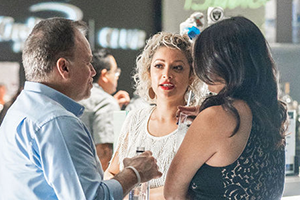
258, 173
233, 156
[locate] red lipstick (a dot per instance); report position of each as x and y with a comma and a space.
166, 86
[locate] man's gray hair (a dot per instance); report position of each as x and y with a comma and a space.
49, 40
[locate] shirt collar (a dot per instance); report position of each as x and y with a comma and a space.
68, 103
96, 85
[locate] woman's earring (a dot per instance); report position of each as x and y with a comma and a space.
151, 93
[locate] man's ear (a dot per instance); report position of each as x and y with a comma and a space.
103, 75
63, 67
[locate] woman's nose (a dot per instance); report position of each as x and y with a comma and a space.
167, 74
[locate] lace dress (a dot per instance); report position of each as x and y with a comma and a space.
134, 133
257, 174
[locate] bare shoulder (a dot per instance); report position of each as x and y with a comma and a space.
210, 140
242, 107
216, 120
218, 124
216, 117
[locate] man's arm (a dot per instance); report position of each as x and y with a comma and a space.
146, 167
68, 158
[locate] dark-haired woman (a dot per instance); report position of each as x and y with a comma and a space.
234, 149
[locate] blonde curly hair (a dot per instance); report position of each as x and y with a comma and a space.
143, 62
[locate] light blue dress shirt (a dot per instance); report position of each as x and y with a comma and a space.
47, 153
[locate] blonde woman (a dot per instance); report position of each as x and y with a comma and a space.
164, 76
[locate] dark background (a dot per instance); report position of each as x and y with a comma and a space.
152, 16
128, 14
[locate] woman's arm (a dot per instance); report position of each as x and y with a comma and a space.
203, 140
113, 168
157, 193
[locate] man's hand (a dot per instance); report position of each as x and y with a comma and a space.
146, 166
122, 97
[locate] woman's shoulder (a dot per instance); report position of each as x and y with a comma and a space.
218, 124
221, 111
141, 112
242, 106
222, 119
238, 104
215, 115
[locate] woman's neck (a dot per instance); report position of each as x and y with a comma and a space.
167, 110
163, 119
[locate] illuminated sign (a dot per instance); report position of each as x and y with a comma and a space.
121, 38
17, 32
71, 11
225, 4
107, 37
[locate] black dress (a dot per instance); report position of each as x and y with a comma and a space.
257, 174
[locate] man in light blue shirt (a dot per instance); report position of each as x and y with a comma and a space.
46, 151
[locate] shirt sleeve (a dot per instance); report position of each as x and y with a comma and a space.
67, 156
102, 122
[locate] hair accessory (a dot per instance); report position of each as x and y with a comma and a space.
136, 173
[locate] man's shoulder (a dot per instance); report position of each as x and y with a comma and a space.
40, 109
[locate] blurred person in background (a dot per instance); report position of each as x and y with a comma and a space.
136, 102
2, 95
7, 104
100, 106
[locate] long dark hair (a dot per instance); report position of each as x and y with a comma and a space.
235, 50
